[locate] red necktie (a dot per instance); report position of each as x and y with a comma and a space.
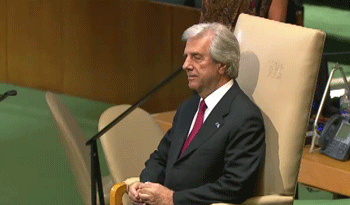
196, 127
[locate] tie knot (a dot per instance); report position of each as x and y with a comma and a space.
202, 106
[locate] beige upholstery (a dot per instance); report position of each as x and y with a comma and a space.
77, 152
128, 144
278, 70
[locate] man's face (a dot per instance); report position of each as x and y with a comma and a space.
202, 72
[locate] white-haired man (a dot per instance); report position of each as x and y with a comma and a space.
216, 145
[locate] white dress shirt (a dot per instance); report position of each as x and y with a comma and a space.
211, 101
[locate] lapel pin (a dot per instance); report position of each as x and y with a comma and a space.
217, 124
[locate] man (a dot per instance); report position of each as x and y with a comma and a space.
220, 162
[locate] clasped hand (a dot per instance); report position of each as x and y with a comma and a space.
150, 193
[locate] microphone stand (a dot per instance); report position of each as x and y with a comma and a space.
96, 178
8, 93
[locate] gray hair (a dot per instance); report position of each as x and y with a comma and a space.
224, 47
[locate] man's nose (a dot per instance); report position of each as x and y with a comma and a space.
187, 63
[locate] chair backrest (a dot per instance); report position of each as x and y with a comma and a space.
73, 141
278, 70
129, 143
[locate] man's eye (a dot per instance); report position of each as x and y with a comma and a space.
197, 57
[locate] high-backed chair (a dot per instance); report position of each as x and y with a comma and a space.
278, 70
73, 141
128, 144
279, 67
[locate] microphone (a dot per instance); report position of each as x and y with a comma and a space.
8, 93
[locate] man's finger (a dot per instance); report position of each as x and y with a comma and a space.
138, 203
146, 185
146, 197
148, 191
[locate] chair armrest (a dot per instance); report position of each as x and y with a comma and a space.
266, 200
118, 190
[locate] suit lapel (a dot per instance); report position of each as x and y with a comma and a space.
213, 123
180, 134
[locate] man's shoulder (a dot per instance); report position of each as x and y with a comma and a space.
244, 103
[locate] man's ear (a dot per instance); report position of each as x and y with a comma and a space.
222, 68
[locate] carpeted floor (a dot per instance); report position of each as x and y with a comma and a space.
335, 22
34, 169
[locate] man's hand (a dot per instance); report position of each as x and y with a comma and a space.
134, 193
153, 193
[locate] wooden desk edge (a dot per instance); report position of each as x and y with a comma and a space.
325, 173
164, 119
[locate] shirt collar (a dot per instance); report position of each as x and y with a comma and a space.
216, 96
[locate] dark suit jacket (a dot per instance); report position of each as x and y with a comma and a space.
222, 162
